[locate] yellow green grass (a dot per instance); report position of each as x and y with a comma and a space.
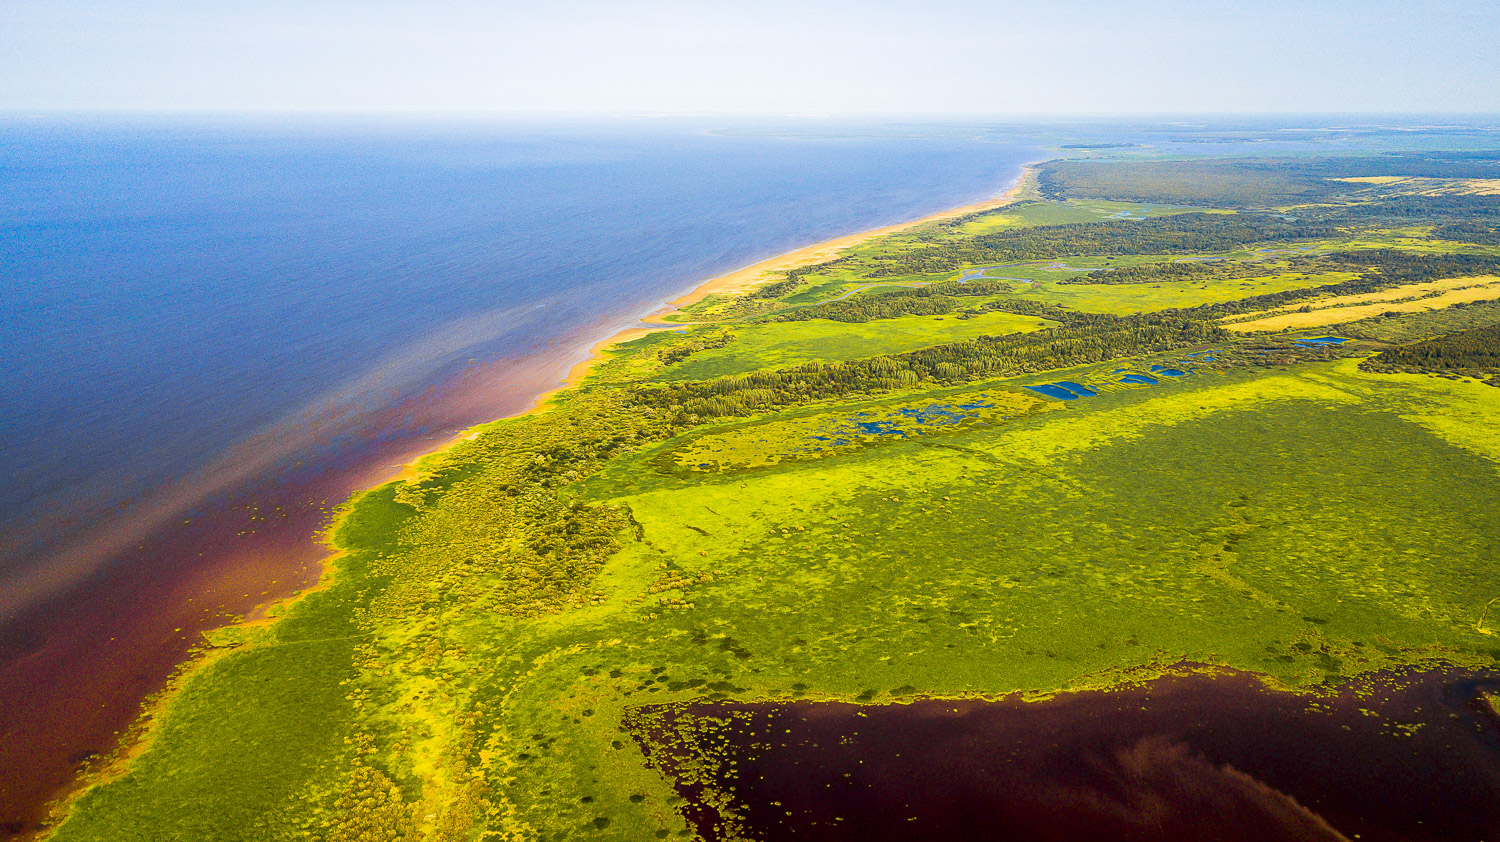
1121, 299
1238, 520
1066, 212
1436, 295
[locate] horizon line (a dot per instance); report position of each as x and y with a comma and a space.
8, 112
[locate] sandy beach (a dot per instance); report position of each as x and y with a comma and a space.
749, 276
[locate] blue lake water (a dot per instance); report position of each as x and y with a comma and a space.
1052, 390
1077, 388
173, 287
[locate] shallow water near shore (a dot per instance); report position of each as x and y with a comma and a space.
1188, 756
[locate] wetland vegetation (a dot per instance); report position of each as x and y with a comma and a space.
1036, 453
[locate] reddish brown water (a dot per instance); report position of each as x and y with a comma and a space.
73, 670
1197, 757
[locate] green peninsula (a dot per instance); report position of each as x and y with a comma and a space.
1064, 444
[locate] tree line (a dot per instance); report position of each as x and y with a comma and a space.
1088, 338
1201, 270
1469, 231
1188, 233
1474, 352
931, 300
1380, 268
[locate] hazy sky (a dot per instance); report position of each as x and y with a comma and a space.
714, 56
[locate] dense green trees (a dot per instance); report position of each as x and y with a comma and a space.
932, 300
1087, 338
1202, 270
1188, 233
1469, 231
1405, 209
1473, 352
1381, 269
1251, 182
679, 351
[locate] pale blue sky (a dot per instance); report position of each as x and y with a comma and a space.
802, 57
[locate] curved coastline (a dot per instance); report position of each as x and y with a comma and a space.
136, 739
747, 277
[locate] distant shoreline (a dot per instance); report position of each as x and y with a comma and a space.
748, 277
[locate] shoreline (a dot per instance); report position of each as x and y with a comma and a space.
748, 277
738, 280
137, 737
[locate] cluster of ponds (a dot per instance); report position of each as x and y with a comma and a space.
903, 422
1069, 390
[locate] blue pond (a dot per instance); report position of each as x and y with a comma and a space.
936, 415
1321, 340
1063, 390
1141, 379
880, 428
1169, 372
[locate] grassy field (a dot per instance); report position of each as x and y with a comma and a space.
1119, 299
785, 344
1232, 519
1065, 213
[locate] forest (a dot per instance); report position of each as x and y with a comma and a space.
1188, 233
1200, 270
930, 300
1475, 353
1382, 269
1086, 338
1255, 182
1469, 231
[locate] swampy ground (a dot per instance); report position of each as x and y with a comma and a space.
1004, 462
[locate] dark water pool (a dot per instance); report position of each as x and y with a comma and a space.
1191, 757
